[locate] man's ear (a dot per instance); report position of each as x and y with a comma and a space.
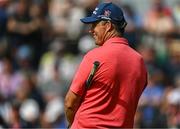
109, 26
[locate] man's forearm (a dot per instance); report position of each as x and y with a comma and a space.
69, 115
71, 105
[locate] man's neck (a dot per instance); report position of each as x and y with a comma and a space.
113, 34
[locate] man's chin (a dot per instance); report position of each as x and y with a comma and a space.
98, 43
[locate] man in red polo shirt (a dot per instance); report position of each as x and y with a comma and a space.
105, 94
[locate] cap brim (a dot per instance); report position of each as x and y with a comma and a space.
88, 20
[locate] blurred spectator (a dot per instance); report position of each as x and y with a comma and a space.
159, 15
15, 119
30, 99
49, 60
151, 99
56, 69
176, 13
172, 66
134, 23
23, 56
64, 17
29, 86
30, 113
24, 28
50, 77
9, 79
173, 105
158, 25
4, 112
54, 113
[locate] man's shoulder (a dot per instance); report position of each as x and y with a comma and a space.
93, 51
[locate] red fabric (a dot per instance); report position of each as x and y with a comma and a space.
112, 98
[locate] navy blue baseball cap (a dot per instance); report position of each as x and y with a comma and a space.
106, 11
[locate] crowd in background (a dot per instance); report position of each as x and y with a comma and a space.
42, 43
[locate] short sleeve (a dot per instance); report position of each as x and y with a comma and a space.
79, 80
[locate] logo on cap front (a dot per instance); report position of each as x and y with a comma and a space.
107, 13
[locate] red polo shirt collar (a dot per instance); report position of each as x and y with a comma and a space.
120, 40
